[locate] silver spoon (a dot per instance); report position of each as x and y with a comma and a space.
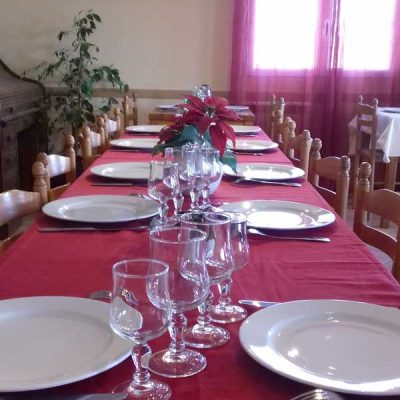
255, 231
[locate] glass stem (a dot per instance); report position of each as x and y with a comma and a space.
194, 197
224, 288
162, 210
141, 376
204, 318
206, 194
177, 325
178, 203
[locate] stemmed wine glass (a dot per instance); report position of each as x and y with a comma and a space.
163, 185
210, 170
219, 265
183, 249
140, 310
224, 312
174, 155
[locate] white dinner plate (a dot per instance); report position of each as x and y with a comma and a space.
101, 208
136, 143
345, 346
245, 129
51, 341
392, 110
171, 107
281, 215
144, 129
237, 108
252, 145
123, 170
270, 172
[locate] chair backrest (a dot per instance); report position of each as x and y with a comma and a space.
299, 147
284, 132
91, 144
57, 165
15, 204
112, 125
366, 120
384, 203
334, 169
129, 109
275, 114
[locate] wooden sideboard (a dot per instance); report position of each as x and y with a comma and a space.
21, 137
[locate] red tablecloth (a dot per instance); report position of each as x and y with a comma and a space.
74, 264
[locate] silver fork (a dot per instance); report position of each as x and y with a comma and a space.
318, 394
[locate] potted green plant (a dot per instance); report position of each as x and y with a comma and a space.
76, 70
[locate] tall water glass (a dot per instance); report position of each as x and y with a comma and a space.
225, 312
219, 264
140, 310
174, 155
163, 185
183, 249
211, 172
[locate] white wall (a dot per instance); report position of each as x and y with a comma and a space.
156, 44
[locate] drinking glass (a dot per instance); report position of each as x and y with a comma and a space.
211, 171
183, 249
219, 265
224, 312
174, 155
162, 186
140, 310
191, 173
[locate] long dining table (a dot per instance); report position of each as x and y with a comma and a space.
78, 263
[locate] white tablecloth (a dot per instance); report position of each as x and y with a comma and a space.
387, 133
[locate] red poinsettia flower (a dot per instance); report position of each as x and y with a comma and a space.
210, 113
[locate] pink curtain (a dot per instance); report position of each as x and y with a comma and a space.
321, 99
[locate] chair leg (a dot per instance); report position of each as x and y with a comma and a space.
390, 182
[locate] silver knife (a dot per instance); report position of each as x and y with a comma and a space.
113, 184
37, 396
89, 229
278, 183
258, 303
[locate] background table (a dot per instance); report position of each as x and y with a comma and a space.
166, 117
77, 263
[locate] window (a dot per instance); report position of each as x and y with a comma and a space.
283, 38
285, 34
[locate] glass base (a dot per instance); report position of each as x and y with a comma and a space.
205, 337
152, 390
177, 365
227, 314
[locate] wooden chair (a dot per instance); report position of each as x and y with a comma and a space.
365, 148
275, 116
14, 205
56, 166
299, 147
334, 169
91, 145
284, 130
129, 109
384, 203
112, 125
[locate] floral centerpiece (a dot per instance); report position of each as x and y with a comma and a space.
202, 121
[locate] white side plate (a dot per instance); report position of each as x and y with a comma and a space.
101, 208
148, 129
270, 172
345, 346
252, 145
137, 143
245, 129
123, 170
237, 108
169, 107
281, 215
52, 341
